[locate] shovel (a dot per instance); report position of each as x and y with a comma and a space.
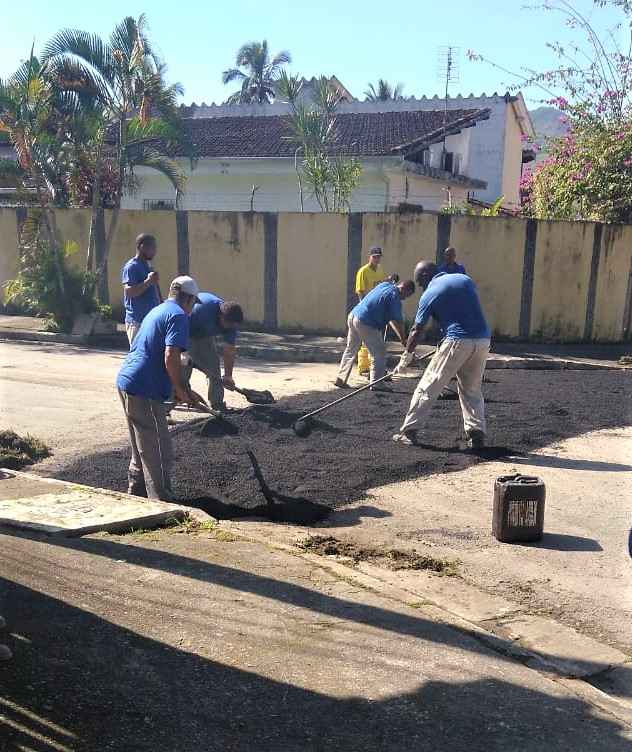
256, 397
303, 428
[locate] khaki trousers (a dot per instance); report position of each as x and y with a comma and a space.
152, 454
465, 359
205, 357
374, 341
132, 331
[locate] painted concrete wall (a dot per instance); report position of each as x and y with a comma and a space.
74, 226
564, 281
312, 271
492, 251
8, 248
227, 257
421, 191
226, 185
615, 275
405, 239
561, 279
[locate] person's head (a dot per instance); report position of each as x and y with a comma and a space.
184, 290
406, 288
424, 272
449, 255
231, 315
375, 256
146, 246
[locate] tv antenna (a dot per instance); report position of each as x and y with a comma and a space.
448, 73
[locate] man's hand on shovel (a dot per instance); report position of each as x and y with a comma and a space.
404, 362
191, 399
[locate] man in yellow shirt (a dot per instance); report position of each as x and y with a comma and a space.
369, 276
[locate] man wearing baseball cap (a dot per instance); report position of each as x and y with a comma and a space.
150, 373
368, 276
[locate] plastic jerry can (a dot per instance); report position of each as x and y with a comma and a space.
518, 508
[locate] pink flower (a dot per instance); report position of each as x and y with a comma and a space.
628, 162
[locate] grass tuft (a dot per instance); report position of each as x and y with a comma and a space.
18, 451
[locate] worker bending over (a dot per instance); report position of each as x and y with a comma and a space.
213, 317
453, 301
150, 373
367, 321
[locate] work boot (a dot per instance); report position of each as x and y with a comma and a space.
341, 384
382, 387
137, 488
475, 439
408, 438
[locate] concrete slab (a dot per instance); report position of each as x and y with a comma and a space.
559, 648
74, 513
617, 683
451, 594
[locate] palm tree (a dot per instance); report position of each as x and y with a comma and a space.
383, 92
260, 76
27, 101
124, 82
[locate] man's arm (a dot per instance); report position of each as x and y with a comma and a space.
230, 354
183, 393
133, 291
398, 327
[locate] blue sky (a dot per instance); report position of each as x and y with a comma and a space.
348, 38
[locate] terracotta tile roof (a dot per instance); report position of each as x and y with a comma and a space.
355, 134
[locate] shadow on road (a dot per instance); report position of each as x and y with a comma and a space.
83, 683
562, 542
567, 463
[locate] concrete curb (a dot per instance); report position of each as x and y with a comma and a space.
280, 353
544, 645
63, 513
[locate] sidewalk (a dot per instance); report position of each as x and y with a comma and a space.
308, 348
209, 638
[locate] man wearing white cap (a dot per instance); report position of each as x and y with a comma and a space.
150, 373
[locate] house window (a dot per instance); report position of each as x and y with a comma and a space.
158, 204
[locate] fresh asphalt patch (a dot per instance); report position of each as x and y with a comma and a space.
349, 449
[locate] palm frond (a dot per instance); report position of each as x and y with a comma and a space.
281, 58
232, 74
85, 49
147, 156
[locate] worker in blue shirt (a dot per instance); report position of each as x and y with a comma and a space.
450, 265
452, 300
140, 285
213, 318
150, 374
367, 321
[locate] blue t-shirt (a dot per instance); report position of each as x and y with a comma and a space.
451, 269
380, 306
453, 301
143, 373
205, 319
134, 272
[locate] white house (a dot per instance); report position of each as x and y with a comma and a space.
399, 144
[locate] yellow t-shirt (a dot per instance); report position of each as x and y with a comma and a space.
367, 278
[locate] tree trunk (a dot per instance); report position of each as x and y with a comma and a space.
96, 203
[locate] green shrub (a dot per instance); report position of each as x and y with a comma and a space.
43, 272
